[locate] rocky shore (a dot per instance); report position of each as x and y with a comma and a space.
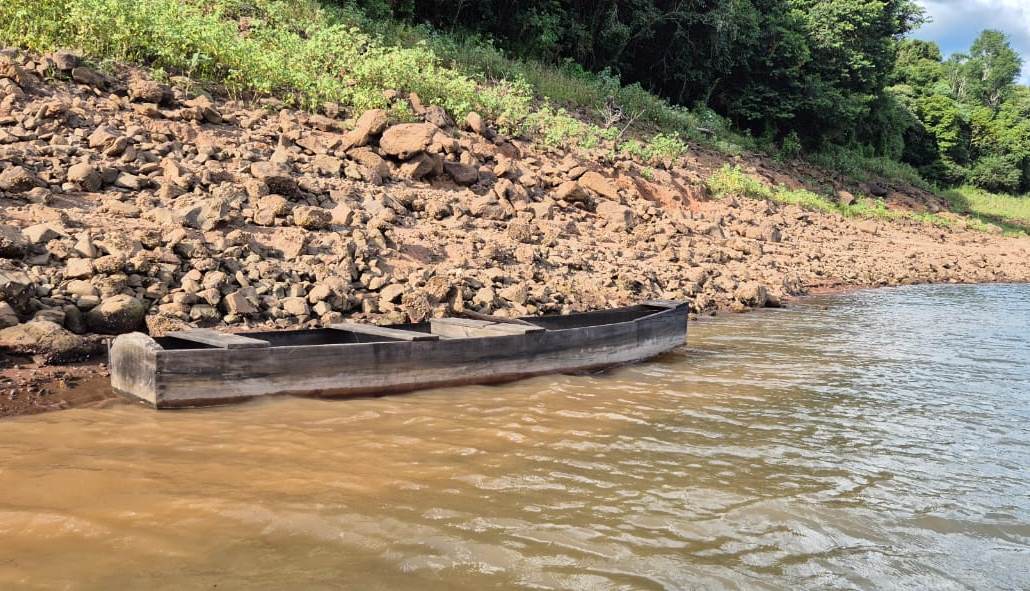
128, 204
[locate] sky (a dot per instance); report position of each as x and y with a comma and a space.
956, 23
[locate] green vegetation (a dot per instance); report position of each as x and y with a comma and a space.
1006, 211
733, 181
965, 118
832, 82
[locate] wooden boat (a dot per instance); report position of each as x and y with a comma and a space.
204, 367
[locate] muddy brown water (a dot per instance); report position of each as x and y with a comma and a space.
878, 440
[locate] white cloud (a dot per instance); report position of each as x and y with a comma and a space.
956, 23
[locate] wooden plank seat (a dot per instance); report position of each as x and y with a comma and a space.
457, 328
380, 331
221, 340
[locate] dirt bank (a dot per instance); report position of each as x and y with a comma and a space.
128, 205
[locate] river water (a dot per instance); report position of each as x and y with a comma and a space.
876, 440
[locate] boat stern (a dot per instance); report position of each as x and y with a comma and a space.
133, 364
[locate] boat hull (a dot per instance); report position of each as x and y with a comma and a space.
141, 368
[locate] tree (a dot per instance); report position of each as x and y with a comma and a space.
990, 70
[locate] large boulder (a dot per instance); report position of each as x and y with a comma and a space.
407, 139
42, 337
116, 315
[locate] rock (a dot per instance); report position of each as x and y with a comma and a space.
109, 140
17, 179
132, 182
463, 174
13, 244
148, 91
571, 191
877, 190
370, 124
418, 167
15, 288
475, 123
175, 175
89, 77
116, 315
600, 185
78, 269
42, 233
276, 177
751, 294
64, 61
407, 139
290, 244
12, 71
372, 161
42, 337
85, 176
391, 293
327, 165
239, 304
296, 306
206, 216
869, 227
8, 317
438, 116
516, 294
488, 208
618, 216
845, 198
312, 218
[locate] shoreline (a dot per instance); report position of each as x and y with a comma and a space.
134, 206
50, 388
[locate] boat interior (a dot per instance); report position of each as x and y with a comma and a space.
436, 329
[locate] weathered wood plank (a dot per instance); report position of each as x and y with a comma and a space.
497, 319
379, 331
457, 328
221, 340
667, 304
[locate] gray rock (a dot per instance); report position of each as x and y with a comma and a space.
116, 315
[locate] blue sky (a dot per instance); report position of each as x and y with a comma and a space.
956, 23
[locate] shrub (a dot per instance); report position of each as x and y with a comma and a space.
996, 173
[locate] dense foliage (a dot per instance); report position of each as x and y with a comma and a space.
815, 68
968, 121
812, 74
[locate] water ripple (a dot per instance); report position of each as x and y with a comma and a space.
878, 440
